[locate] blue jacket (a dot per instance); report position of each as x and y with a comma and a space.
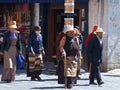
35, 43
95, 51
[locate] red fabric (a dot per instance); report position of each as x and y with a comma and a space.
95, 28
91, 35
21, 29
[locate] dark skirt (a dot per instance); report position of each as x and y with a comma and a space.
61, 77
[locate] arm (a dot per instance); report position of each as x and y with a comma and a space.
43, 52
90, 50
30, 43
19, 45
3, 45
61, 46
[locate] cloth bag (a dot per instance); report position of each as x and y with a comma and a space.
20, 59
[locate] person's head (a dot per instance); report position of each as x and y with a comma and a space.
12, 25
69, 30
19, 25
37, 30
95, 27
99, 32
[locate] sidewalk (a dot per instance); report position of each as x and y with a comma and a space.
111, 79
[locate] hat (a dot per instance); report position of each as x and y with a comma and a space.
99, 30
68, 28
76, 31
12, 24
95, 27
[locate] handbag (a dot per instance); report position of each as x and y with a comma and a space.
20, 59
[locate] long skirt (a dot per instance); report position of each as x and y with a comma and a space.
71, 78
34, 65
9, 69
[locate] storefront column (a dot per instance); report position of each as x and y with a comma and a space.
34, 14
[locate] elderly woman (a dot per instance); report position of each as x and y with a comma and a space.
36, 51
10, 47
69, 51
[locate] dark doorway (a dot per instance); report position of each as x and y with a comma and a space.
59, 24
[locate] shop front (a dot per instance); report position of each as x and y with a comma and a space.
50, 18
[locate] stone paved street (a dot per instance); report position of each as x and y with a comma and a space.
111, 79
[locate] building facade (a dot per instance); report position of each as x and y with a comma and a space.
89, 12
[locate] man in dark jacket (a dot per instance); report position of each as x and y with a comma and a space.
95, 56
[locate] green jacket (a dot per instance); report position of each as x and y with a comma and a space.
7, 42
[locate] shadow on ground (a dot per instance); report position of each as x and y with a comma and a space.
53, 88
112, 75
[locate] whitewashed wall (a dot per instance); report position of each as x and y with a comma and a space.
106, 13
114, 34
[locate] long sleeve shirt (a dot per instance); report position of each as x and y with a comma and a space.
35, 43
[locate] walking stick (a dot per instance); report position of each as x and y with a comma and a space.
64, 60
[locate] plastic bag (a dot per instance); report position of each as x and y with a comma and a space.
20, 59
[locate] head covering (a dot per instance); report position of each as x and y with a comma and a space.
12, 24
76, 31
99, 30
95, 27
68, 28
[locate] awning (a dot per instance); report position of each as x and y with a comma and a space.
38, 1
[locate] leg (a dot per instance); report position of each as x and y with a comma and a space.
98, 75
92, 74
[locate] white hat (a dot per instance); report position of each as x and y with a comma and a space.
99, 30
68, 28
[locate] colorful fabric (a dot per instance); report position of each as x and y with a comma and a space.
35, 64
71, 67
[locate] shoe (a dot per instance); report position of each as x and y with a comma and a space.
32, 79
100, 83
78, 78
39, 78
8, 81
69, 86
93, 83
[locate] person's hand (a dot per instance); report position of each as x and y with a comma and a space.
20, 52
63, 55
43, 53
81, 57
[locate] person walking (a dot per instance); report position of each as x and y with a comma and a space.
10, 47
89, 37
36, 53
95, 56
68, 65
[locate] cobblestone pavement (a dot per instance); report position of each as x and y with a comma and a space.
49, 82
